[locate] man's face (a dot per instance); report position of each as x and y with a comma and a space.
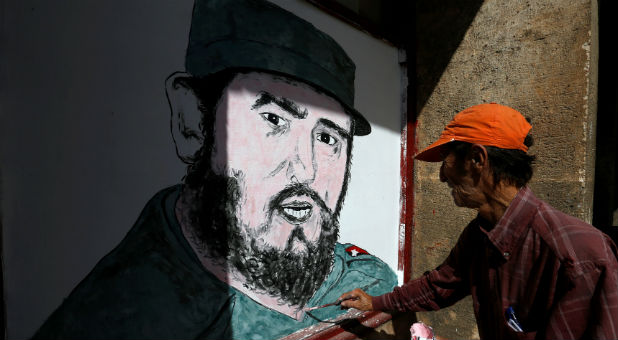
287, 147
456, 173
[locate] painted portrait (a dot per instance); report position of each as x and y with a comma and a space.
263, 126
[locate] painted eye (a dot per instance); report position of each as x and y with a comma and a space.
326, 138
273, 119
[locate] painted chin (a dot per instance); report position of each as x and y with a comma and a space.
285, 222
293, 213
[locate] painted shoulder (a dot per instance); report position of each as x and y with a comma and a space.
353, 268
358, 262
126, 290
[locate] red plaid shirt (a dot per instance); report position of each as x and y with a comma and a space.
558, 273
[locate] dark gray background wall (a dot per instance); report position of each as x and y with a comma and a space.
85, 137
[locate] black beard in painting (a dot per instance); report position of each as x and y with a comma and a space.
292, 277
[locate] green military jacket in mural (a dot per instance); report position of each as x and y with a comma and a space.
152, 286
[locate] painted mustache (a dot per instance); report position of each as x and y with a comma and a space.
297, 211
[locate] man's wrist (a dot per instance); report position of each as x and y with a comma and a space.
377, 303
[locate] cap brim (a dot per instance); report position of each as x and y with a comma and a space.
432, 152
361, 125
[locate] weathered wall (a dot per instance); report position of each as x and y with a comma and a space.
538, 57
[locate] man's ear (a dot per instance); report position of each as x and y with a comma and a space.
478, 156
186, 117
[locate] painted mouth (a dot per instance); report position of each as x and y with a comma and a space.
296, 212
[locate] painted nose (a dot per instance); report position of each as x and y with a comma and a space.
301, 167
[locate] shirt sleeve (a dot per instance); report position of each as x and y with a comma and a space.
440, 288
589, 307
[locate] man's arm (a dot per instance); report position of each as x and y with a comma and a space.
425, 293
434, 290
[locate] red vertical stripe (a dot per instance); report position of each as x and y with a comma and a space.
406, 220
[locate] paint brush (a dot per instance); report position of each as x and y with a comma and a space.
336, 303
339, 301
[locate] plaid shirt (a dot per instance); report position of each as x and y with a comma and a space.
558, 273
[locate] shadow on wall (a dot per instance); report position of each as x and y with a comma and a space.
440, 28
605, 213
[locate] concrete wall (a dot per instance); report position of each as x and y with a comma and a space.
539, 57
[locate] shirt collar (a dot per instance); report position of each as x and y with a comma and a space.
513, 225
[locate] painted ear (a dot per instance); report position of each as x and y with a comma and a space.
186, 117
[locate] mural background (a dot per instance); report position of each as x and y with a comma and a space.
86, 141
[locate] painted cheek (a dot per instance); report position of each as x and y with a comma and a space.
271, 153
250, 149
258, 161
231, 133
329, 180
258, 195
279, 238
312, 231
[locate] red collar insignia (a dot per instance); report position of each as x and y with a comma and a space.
355, 251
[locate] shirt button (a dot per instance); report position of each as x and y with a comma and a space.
506, 254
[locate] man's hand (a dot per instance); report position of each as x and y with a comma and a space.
356, 299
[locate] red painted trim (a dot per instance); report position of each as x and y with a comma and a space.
345, 328
406, 219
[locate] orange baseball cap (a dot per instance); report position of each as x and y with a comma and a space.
486, 124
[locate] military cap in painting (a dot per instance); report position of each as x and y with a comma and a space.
256, 34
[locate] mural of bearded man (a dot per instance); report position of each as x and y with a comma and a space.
264, 118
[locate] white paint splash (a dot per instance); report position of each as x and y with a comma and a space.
587, 126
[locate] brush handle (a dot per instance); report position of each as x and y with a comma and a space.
338, 302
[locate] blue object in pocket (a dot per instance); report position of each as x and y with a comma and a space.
511, 320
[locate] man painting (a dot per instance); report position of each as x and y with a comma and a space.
533, 272
264, 118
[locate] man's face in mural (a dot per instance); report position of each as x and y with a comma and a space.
286, 145
271, 182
